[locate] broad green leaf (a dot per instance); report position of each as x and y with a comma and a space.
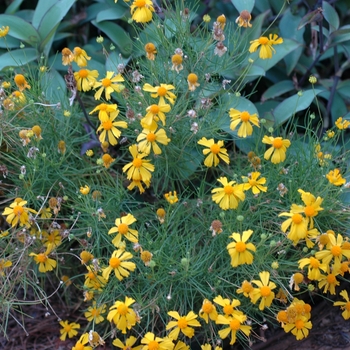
53, 86
278, 89
117, 34
188, 162
20, 29
294, 104
13, 7
262, 5
242, 5
343, 88
92, 10
17, 58
340, 35
331, 16
111, 14
314, 16
10, 43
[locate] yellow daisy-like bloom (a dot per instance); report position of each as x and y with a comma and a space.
156, 113
108, 85
80, 57
81, 344
252, 182
171, 197
221, 21
246, 119
278, 149
21, 82
104, 111
229, 307
344, 305
45, 263
208, 311
93, 313
137, 182
141, 11
300, 327
119, 265
122, 315
246, 289
335, 178
328, 283
264, 291
17, 213
93, 280
335, 250
139, 168
95, 339
176, 60
4, 31
265, 44
229, 196
151, 51
183, 324
67, 56
84, 190
68, 329
243, 20
162, 91
4, 264
192, 81
54, 238
85, 79
234, 325
85, 257
314, 269
123, 230
298, 226
109, 129
148, 139
129, 342
107, 160
208, 347
342, 124
239, 250
155, 343
214, 152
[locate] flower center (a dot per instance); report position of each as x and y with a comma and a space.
19, 79
336, 250
298, 277
137, 163
154, 109
176, 59
106, 82
347, 306
235, 324
140, 3
182, 323
192, 78
67, 328
228, 309
265, 291
324, 239
314, 263
79, 346
252, 182
95, 312
247, 287
208, 308
83, 73
114, 262
78, 51
299, 324
150, 48
107, 125
245, 116
215, 148
162, 91
18, 210
277, 143
153, 345
309, 210
241, 247
122, 309
263, 40
151, 137
91, 275
41, 258
297, 219
331, 279
228, 189
123, 229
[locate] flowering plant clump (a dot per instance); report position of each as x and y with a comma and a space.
152, 187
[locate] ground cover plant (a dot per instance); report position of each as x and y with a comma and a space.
180, 179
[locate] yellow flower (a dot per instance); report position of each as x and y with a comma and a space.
243, 20
342, 124
137, 182
314, 273
95, 339
122, 315
61, 147
129, 342
104, 111
141, 10
139, 168
3, 265
94, 280
264, 290
67, 56
54, 238
254, 184
85, 257
246, 119
176, 60
298, 226
45, 263
107, 160
300, 327
329, 282
93, 313
109, 129
234, 326
17, 213
335, 178
151, 50
155, 343
221, 21
344, 305
208, 310
192, 81
108, 85
68, 329
119, 265
148, 139
21, 82
239, 250
4, 31
154, 113
183, 324
229, 307
80, 344
85, 190
265, 44
162, 91
80, 57
229, 196
6, 84
123, 230
214, 152
278, 149
171, 197
246, 288
85, 79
